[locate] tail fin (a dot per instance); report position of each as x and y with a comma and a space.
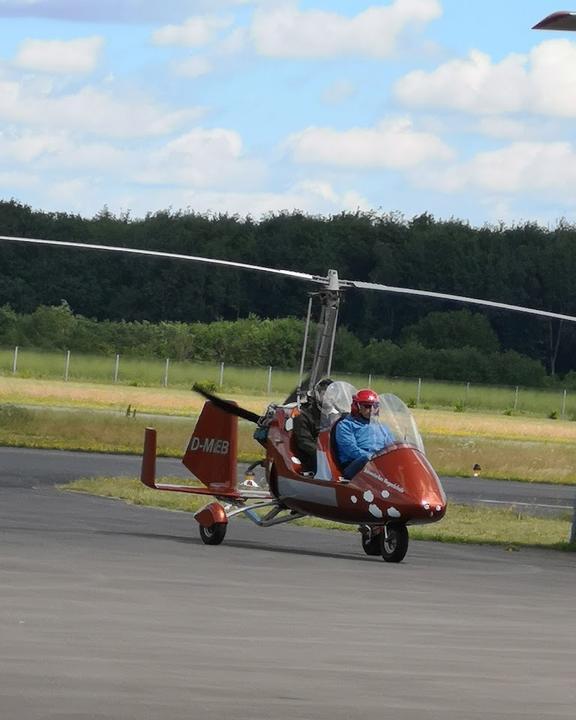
212, 452
148, 471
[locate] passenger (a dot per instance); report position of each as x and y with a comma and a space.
356, 438
307, 427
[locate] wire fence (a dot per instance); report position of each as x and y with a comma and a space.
276, 383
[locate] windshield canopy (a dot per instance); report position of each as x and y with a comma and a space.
399, 420
392, 413
337, 402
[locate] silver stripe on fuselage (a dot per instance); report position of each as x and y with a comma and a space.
306, 492
322, 467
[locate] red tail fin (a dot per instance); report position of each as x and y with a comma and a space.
148, 472
212, 452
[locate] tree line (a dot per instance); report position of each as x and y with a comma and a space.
423, 351
524, 264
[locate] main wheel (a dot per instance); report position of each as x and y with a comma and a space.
214, 534
394, 543
372, 543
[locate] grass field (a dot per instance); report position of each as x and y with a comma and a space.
93, 417
263, 382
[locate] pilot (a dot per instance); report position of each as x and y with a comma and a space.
307, 426
356, 438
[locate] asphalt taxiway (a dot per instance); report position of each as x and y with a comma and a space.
109, 611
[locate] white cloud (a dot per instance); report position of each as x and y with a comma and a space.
471, 85
391, 144
323, 191
20, 180
288, 32
202, 158
88, 195
234, 42
503, 128
545, 168
338, 92
72, 193
308, 196
28, 147
542, 82
193, 67
194, 32
60, 151
552, 79
60, 56
89, 110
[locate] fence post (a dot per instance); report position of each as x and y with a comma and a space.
116, 368
15, 361
516, 398
67, 366
166, 372
221, 380
418, 392
563, 414
572, 538
467, 391
269, 388
369, 380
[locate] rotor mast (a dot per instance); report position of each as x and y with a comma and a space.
329, 298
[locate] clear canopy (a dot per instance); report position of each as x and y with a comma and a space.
392, 413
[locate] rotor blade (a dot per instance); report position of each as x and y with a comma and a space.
562, 20
458, 298
226, 405
169, 256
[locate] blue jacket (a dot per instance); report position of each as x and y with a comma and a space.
356, 437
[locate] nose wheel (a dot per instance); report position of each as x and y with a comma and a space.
394, 543
390, 542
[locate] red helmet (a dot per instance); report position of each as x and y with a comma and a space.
364, 397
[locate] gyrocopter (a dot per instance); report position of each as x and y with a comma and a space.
395, 488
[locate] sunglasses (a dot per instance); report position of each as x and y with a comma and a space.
368, 405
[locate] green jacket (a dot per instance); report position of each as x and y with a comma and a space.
305, 435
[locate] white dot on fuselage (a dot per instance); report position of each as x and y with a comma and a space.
354, 499
375, 510
385, 494
368, 496
394, 513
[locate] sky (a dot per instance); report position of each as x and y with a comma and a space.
451, 107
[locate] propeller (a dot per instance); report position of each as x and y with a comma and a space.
227, 405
